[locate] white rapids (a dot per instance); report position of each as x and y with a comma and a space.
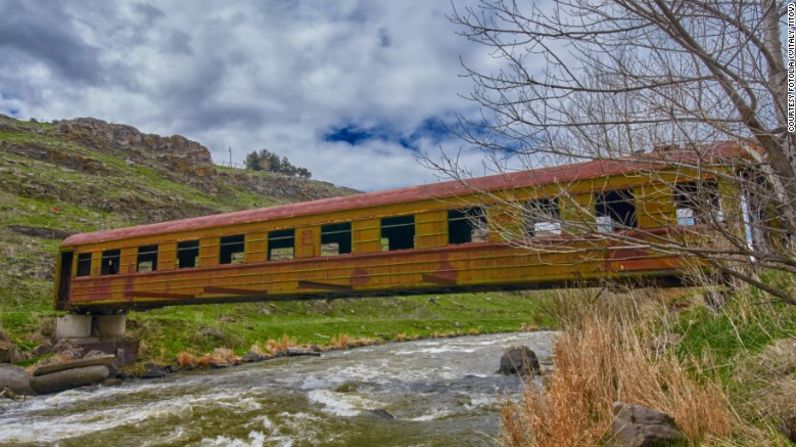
423, 393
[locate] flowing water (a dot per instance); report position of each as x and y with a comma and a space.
441, 392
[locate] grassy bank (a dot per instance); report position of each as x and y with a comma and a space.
727, 376
25, 311
198, 329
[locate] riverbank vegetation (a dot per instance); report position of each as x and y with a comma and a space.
200, 329
26, 316
727, 376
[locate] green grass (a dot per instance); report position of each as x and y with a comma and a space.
734, 330
748, 323
165, 332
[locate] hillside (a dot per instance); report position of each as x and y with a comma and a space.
80, 175
86, 174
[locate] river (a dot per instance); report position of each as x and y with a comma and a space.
440, 392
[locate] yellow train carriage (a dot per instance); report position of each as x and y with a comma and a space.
403, 241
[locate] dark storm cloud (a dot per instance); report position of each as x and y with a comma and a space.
149, 12
33, 32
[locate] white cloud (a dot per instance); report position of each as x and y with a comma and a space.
257, 74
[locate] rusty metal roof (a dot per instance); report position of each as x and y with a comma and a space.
441, 190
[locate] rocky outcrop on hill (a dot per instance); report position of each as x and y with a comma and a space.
185, 158
291, 189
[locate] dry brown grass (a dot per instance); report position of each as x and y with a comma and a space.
600, 359
403, 337
345, 341
279, 346
219, 357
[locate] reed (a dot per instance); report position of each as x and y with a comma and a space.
604, 359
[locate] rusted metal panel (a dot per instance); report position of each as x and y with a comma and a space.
167, 256
366, 235
256, 246
308, 242
208, 251
431, 229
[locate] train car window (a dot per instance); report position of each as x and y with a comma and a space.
111, 262
397, 233
336, 239
231, 250
543, 217
147, 259
187, 254
615, 210
84, 264
281, 245
697, 203
467, 225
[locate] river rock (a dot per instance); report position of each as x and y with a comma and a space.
253, 356
15, 379
70, 378
154, 371
45, 368
519, 360
637, 426
291, 352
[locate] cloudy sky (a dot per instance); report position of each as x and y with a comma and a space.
352, 90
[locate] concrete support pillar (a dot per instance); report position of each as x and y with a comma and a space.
110, 325
73, 326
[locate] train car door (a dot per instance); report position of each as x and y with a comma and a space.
64, 279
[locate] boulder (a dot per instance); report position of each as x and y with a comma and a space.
15, 379
637, 426
519, 360
70, 378
45, 368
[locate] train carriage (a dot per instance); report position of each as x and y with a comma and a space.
432, 238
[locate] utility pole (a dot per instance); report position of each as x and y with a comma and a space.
230, 156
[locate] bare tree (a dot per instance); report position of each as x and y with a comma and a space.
656, 82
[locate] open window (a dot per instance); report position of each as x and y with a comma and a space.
111, 262
83, 264
467, 225
336, 239
187, 254
281, 245
147, 260
397, 233
615, 210
231, 250
543, 217
697, 203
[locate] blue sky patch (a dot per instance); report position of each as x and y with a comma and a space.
434, 130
